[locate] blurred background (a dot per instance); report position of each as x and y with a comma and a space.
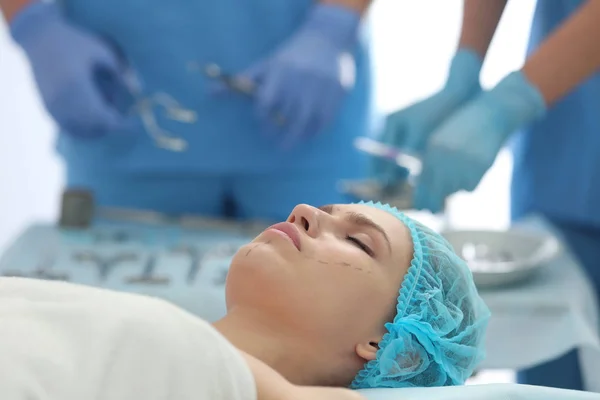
406, 70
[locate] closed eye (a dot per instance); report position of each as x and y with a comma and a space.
360, 245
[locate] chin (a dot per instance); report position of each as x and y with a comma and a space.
258, 274
262, 253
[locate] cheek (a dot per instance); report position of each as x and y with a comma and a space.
346, 277
255, 273
354, 303
377, 301
342, 257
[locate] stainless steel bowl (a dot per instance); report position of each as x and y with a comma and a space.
500, 258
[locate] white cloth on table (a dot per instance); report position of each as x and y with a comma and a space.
480, 392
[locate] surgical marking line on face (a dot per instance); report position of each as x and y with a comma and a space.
255, 246
361, 269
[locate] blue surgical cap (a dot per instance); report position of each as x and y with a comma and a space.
437, 335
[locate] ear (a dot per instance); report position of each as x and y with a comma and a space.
368, 350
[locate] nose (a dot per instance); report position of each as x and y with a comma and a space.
306, 218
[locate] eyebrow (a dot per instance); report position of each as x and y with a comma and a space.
360, 220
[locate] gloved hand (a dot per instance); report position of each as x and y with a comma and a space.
410, 128
302, 84
465, 146
65, 61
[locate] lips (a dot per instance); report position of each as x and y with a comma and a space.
290, 231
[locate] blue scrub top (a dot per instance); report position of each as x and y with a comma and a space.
557, 160
160, 38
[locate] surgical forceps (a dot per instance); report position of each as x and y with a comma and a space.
402, 159
195, 260
131, 101
44, 268
399, 194
237, 84
187, 222
198, 257
147, 276
104, 264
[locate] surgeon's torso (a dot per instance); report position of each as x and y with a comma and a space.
163, 40
557, 160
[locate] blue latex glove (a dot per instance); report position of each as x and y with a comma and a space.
410, 128
303, 82
66, 63
465, 146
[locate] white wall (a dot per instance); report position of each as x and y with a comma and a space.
414, 41
413, 44
30, 174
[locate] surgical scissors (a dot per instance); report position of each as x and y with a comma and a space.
163, 138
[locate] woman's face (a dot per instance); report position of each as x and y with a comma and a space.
331, 273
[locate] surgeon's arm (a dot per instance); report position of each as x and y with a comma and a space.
11, 7
360, 6
479, 23
568, 56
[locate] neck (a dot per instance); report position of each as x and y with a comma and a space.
284, 351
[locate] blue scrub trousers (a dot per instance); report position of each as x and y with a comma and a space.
564, 372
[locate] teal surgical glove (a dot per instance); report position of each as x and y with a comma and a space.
465, 146
410, 128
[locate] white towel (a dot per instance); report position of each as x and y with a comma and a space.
60, 341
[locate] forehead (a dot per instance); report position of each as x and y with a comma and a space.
398, 233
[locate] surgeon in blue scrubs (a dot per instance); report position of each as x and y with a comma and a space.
549, 112
290, 142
